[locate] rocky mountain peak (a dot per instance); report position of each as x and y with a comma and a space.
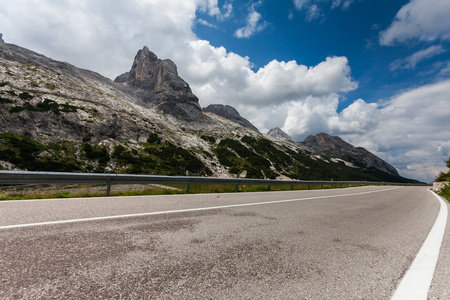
157, 84
1, 38
230, 113
278, 133
142, 70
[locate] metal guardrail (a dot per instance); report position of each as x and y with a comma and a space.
25, 177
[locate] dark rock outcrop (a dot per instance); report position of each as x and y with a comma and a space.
157, 84
122, 78
278, 133
334, 146
1, 38
230, 113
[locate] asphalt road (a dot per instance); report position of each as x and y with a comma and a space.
354, 243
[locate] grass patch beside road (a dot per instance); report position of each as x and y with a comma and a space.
85, 191
445, 192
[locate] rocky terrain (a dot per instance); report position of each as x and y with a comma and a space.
231, 114
57, 117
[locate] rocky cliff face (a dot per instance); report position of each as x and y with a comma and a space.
230, 113
157, 84
334, 146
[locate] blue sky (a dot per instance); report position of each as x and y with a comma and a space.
374, 72
288, 33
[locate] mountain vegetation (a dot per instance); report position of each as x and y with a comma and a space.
57, 117
445, 177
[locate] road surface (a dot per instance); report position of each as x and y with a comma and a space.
354, 243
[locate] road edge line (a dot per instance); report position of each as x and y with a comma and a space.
417, 280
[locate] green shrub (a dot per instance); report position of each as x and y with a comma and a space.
235, 145
209, 139
225, 156
96, 153
25, 96
154, 139
46, 105
5, 100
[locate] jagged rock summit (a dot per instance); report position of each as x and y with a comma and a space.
278, 133
157, 84
230, 113
334, 146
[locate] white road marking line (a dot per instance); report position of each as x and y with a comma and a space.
417, 280
186, 210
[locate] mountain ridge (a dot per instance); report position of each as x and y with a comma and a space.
57, 117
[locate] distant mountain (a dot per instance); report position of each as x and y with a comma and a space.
230, 113
334, 146
57, 117
280, 134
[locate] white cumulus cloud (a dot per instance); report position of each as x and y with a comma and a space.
422, 20
409, 130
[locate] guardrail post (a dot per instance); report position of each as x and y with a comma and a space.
292, 186
237, 187
269, 187
108, 188
187, 188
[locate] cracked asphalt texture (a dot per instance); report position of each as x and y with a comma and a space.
352, 247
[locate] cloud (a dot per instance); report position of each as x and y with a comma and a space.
218, 76
310, 116
313, 13
344, 4
358, 117
411, 61
211, 7
409, 130
101, 35
206, 23
419, 20
445, 71
254, 23
290, 14
300, 3
314, 8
